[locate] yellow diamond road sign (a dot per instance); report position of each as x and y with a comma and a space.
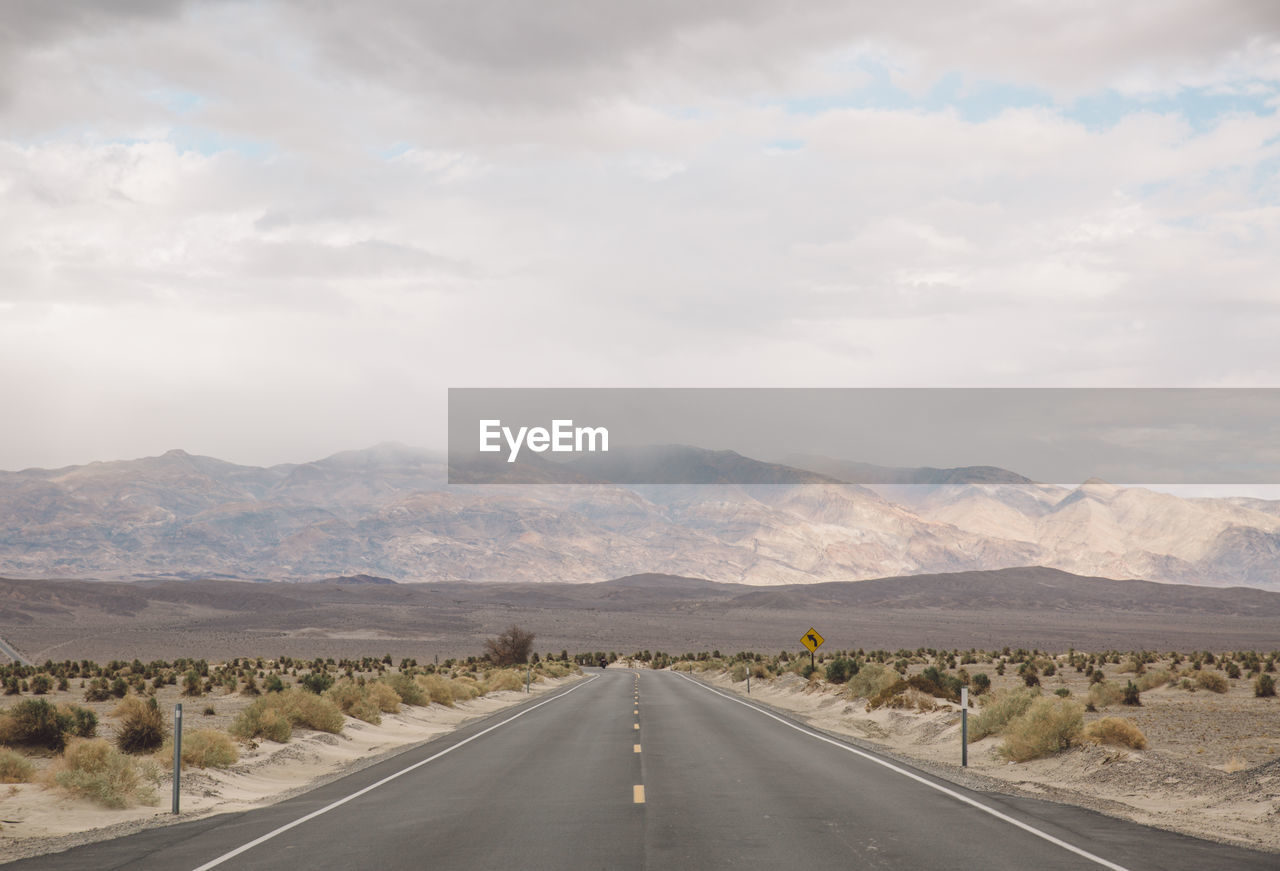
812, 640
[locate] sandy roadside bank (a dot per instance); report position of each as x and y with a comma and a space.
37, 820
1155, 787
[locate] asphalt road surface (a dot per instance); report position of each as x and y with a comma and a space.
649, 770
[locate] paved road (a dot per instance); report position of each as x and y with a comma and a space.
650, 771
10, 651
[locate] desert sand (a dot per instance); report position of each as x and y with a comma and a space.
1212, 767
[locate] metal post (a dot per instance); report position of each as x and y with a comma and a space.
528, 677
813, 666
748, 681
964, 727
177, 754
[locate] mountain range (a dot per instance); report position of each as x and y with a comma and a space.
389, 512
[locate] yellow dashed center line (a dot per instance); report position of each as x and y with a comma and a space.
637, 793
637, 748
637, 726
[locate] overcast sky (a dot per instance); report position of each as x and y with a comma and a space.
269, 231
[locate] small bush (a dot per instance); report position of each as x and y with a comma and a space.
464, 689
354, 701
274, 715
1265, 686
981, 683
41, 684
1154, 678
142, 726
1049, 725
14, 767
1062, 693
1212, 681
384, 697
1131, 696
80, 722
870, 680
192, 684
840, 669
316, 682
887, 695
93, 769
272, 683
97, 691
507, 680
35, 723
1116, 730
1104, 694
738, 673
437, 688
262, 721
204, 748
998, 711
408, 690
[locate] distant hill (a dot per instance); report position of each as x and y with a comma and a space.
867, 473
1028, 606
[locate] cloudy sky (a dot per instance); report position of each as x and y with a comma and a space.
268, 231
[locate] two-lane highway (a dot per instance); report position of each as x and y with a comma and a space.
650, 771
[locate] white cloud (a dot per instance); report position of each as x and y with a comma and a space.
271, 230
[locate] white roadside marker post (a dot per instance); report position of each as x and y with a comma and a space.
964, 727
177, 754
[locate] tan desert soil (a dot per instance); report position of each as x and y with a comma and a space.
38, 820
1211, 768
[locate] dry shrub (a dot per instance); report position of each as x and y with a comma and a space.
407, 690
1104, 694
683, 665
438, 688
14, 767
386, 698
91, 768
1234, 764
142, 726
34, 723
888, 696
914, 698
552, 669
262, 721
272, 716
998, 710
203, 748
464, 688
1050, 725
505, 679
1212, 681
353, 700
1154, 678
870, 681
1120, 731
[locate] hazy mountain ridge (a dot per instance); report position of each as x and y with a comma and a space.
387, 512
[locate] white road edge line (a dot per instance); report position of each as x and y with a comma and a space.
942, 789
371, 787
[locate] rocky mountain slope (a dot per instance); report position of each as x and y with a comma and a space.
388, 512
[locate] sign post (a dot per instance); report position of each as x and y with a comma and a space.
812, 640
177, 754
964, 727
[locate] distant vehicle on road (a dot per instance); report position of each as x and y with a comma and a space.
604, 663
